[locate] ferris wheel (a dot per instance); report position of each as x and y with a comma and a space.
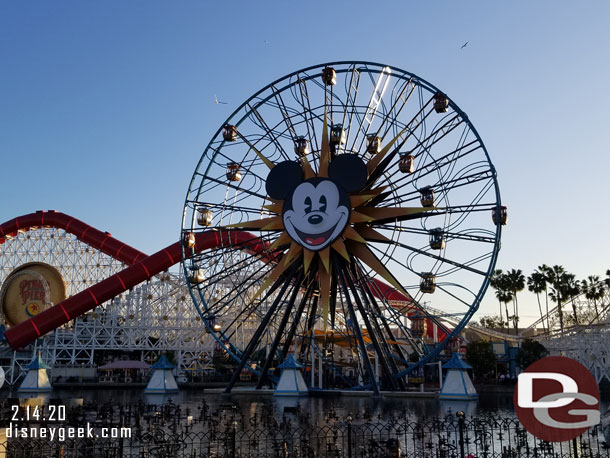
356, 207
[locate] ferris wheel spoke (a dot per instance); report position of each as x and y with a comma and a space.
219, 279
472, 261
448, 235
438, 211
211, 256
269, 133
442, 259
388, 162
395, 109
423, 171
440, 191
261, 156
446, 162
287, 118
229, 157
328, 100
405, 266
237, 188
231, 271
243, 316
350, 102
380, 86
443, 129
308, 113
379, 164
231, 207
228, 272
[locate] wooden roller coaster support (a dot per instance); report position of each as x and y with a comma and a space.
105, 290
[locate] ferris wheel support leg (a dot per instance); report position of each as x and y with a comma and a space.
297, 320
388, 330
280, 331
261, 328
320, 372
356, 327
13, 367
313, 364
374, 331
310, 325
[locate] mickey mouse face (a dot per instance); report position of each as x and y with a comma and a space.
316, 211
316, 214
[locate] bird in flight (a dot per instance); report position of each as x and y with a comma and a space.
218, 101
464, 45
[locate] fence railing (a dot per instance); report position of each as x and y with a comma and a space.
428, 438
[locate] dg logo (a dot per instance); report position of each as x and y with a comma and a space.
557, 399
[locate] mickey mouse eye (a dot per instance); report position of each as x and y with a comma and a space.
308, 204
323, 204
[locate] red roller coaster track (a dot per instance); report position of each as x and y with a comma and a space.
141, 268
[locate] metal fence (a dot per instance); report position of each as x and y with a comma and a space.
450, 437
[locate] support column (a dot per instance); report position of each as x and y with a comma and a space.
313, 364
320, 372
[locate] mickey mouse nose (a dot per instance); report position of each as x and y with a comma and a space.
314, 219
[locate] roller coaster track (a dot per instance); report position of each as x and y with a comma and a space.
603, 307
453, 320
140, 268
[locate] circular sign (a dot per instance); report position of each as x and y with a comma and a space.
30, 289
557, 399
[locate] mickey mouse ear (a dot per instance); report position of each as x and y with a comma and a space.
283, 178
349, 171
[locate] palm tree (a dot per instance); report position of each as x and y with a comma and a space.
496, 283
594, 290
543, 270
556, 278
572, 289
515, 283
504, 296
536, 283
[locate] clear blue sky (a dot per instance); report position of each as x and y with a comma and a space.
105, 107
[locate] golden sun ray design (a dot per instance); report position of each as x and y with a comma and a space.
350, 244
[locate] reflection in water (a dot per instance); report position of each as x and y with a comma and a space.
320, 409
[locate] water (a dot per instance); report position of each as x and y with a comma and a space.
498, 404
253, 425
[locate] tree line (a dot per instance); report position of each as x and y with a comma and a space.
554, 284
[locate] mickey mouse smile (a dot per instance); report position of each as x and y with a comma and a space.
315, 239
